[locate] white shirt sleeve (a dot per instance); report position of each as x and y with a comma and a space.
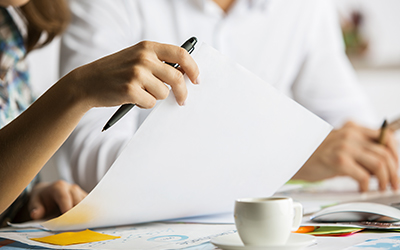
97, 28
327, 84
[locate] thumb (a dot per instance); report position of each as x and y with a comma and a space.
36, 208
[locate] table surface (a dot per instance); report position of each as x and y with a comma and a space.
322, 243
333, 191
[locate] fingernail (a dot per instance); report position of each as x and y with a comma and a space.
197, 80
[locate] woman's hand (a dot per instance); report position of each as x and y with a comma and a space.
136, 75
53, 199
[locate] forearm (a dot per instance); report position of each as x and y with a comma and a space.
31, 139
134, 75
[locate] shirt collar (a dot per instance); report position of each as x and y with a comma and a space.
258, 3
207, 5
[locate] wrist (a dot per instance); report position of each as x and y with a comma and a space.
72, 85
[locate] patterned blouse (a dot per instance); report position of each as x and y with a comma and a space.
15, 91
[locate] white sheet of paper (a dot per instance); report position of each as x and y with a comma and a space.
236, 137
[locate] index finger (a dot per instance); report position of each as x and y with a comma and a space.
372, 134
389, 139
174, 54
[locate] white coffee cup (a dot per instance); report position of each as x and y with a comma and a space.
267, 221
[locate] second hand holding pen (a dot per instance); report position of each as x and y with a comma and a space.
188, 46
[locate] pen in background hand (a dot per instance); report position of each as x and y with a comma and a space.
188, 45
382, 133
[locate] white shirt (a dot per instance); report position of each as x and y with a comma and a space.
294, 45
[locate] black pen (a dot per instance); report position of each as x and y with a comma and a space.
188, 45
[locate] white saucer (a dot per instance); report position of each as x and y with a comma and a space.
233, 242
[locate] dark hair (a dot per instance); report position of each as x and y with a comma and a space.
49, 17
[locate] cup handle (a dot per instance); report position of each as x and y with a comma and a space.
298, 215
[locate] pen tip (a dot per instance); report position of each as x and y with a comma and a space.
107, 126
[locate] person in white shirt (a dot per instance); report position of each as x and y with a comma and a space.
294, 45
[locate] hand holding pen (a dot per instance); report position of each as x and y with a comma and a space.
355, 151
164, 73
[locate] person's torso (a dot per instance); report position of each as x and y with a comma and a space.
273, 35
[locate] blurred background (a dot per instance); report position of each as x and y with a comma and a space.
371, 32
